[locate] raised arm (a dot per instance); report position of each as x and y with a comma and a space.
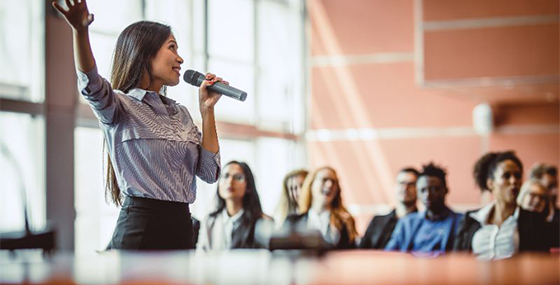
96, 90
79, 18
209, 163
207, 101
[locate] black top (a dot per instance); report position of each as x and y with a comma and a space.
300, 221
555, 228
379, 231
196, 230
245, 235
534, 233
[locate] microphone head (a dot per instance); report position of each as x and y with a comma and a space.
191, 76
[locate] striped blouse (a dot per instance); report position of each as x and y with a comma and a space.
155, 147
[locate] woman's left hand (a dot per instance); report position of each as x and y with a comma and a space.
207, 99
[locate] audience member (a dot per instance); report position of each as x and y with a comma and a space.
321, 208
291, 190
238, 210
501, 229
434, 229
548, 176
533, 197
381, 227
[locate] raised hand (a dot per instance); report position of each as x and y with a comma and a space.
77, 15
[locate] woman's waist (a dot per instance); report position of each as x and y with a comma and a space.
155, 204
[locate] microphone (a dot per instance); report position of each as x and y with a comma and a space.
196, 78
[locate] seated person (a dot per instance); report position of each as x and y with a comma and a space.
548, 176
238, 209
533, 197
434, 229
321, 209
381, 227
291, 189
501, 229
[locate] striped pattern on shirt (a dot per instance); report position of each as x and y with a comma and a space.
154, 145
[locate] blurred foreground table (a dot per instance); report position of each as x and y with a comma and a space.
263, 267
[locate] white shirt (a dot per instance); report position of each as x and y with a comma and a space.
216, 233
491, 241
322, 222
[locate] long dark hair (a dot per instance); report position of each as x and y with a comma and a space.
486, 165
136, 46
252, 210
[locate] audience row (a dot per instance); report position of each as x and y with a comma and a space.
521, 217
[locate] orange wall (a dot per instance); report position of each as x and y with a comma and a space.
416, 124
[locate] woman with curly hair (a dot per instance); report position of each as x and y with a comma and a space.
501, 229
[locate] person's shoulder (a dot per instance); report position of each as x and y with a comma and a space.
209, 218
346, 215
458, 215
195, 221
265, 222
386, 215
472, 211
266, 217
296, 217
122, 96
412, 218
530, 215
470, 218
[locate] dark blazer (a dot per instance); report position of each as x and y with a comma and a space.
534, 233
379, 231
300, 221
196, 229
244, 235
555, 228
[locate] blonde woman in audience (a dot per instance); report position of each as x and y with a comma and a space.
533, 196
291, 189
501, 229
321, 208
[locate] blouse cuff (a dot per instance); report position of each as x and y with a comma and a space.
89, 82
209, 158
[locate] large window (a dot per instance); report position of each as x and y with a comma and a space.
95, 216
22, 160
22, 125
21, 57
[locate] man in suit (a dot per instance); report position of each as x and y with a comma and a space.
381, 227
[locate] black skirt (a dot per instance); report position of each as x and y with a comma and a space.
149, 224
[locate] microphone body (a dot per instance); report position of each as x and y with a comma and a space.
196, 78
